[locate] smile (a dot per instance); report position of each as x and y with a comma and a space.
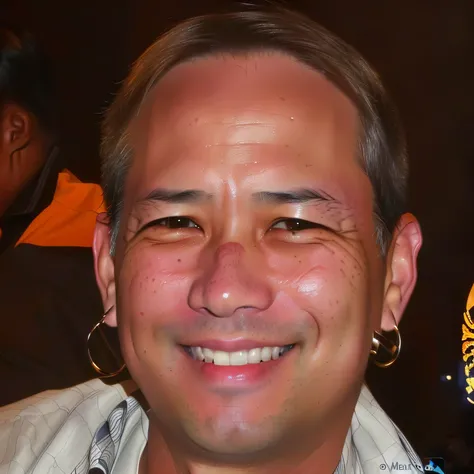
256, 355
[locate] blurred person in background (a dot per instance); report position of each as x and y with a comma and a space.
48, 295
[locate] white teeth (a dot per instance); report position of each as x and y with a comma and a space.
253, 356
237, 358
266, 354
208, 355
221, 358
197, 353
275, 353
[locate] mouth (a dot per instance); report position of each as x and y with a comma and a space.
257, 355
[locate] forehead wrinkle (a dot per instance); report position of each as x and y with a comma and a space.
231, 125
280, 130
247, 133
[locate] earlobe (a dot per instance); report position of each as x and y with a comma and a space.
401, 274
104, 268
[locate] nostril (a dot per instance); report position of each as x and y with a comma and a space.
210, 312
220, 312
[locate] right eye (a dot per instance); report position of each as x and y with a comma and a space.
172, 222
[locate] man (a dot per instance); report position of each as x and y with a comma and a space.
48, 296
256, 249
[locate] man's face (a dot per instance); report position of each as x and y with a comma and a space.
247, 240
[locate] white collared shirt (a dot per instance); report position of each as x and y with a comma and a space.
94, 428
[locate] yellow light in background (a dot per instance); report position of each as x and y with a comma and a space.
448, 377
468, 345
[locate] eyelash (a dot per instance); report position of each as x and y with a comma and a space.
301, 224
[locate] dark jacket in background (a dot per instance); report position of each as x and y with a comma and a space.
49, 300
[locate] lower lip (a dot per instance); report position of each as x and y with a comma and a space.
233, 376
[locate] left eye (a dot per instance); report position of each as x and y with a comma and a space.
295, 225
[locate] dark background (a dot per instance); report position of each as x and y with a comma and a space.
424, 50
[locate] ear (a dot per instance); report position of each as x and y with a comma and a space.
401, 272
104, 267
17, 126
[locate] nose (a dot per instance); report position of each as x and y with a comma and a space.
232, 283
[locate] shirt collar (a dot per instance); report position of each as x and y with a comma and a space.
373, 444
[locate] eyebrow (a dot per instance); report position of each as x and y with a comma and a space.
295, 196
195, 196
176, 196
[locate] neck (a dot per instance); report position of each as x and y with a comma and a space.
162, 455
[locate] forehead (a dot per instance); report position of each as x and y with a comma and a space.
265, 109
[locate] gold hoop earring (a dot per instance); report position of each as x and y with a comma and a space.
97, 368
390, 348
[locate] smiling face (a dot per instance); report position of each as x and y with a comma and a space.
248, 281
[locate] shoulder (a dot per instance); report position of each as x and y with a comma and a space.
76, 195
379, 442
70, 219
52, 431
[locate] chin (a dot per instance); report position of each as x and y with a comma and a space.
236, 444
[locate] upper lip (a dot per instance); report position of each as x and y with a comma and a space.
234, 345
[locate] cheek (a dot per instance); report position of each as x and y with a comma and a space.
326, 281
153, 286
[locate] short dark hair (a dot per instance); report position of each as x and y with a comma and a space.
381, 144
26, 76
